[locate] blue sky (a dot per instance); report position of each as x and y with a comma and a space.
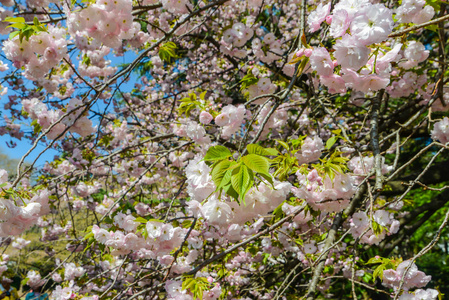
24, 145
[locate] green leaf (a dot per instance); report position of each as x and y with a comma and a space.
219, 171
241, 180
227, 176
433, 27
217, 153
379, 272
302, 65
88, 236
284, 144
367, 277
278, 212
330, 142
257, 163
199, 294
257, 149
374, 260
268, 178
229, 190
167, 51
14, 34
247, 80
41, 28
266, 256
155, 220
14, 20
141, 220
27, 32
90, 242
186, 224
434, 3
196, 286
188, 283
17, 25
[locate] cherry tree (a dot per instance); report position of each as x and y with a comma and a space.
227, 149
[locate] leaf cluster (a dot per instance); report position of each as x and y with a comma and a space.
384, 264
188, 104
167, 51
248, 80
24, 30
235, 178
286, 163
196, 286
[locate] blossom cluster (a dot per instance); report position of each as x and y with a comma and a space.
18, 216
325, 194
130, 192
357, 27
107, 22
413, 279
75, 121
38, 54
361, 226
440, 131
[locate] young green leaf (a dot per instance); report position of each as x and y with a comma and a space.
241, 180
36, 21
268, 178
379, 272
219, 171
229, 190
257, 149
14, 20
374, 260
141, 220
88, 236
217, 153
14, 34
17, 25
257, 163
331, 141
284, 144
247, 80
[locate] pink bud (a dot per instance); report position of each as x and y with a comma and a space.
335, 63
300, 52
308, 52
329, 19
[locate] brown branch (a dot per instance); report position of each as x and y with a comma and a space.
374, 134
331, 236
235, 247
441, 56
407, 30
